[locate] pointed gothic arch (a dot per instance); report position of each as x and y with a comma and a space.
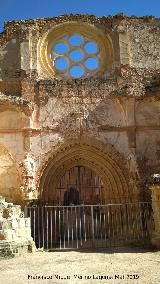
102, 159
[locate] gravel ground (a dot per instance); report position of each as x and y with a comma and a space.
83, 267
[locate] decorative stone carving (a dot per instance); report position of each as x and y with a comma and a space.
15, 232
29, 167
87, 33
133, 166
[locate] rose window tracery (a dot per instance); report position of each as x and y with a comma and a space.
75, 56
75, 51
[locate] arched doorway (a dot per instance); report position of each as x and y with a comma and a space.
106, 165
86, 201
79, 185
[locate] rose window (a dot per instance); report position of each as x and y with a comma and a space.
74, 51
75, 56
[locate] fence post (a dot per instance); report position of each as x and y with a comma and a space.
155, 193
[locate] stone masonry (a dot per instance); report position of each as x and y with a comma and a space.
109, 122
15, 232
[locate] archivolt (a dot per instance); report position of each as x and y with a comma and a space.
102, 159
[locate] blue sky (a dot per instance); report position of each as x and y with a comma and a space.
19, 9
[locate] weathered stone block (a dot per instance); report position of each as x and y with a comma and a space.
15, 231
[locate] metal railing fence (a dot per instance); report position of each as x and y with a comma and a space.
91, 226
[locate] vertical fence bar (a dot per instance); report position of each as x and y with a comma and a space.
108, 222
127, 225
34, 224
84, 224
51, 227
100, 223
39, 233
89, 224
63, 228
104, 227
47, 227
92, 225
43, 226
120, 224
30, 216
72, 232
68, 232
80, 225
55, 225
116, 225
76, 227
31, 221
111, 225
59, 221
96, 227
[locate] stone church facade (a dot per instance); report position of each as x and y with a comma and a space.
100, 124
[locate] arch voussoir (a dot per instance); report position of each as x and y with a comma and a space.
92, 156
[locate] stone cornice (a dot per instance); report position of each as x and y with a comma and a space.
8, 102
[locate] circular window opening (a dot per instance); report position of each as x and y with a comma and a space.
75, 40
61, 64
75, 44
76, 55
60, 48
75, 52
76, 72
90, 47
91, 64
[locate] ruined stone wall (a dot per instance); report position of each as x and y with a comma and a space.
135, 42
39, 116
144, 43
15, 232
13, 143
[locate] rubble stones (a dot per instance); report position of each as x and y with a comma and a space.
15, 231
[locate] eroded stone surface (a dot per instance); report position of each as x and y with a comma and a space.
117, 112
15, 231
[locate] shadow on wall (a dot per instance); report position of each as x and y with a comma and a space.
11, 68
